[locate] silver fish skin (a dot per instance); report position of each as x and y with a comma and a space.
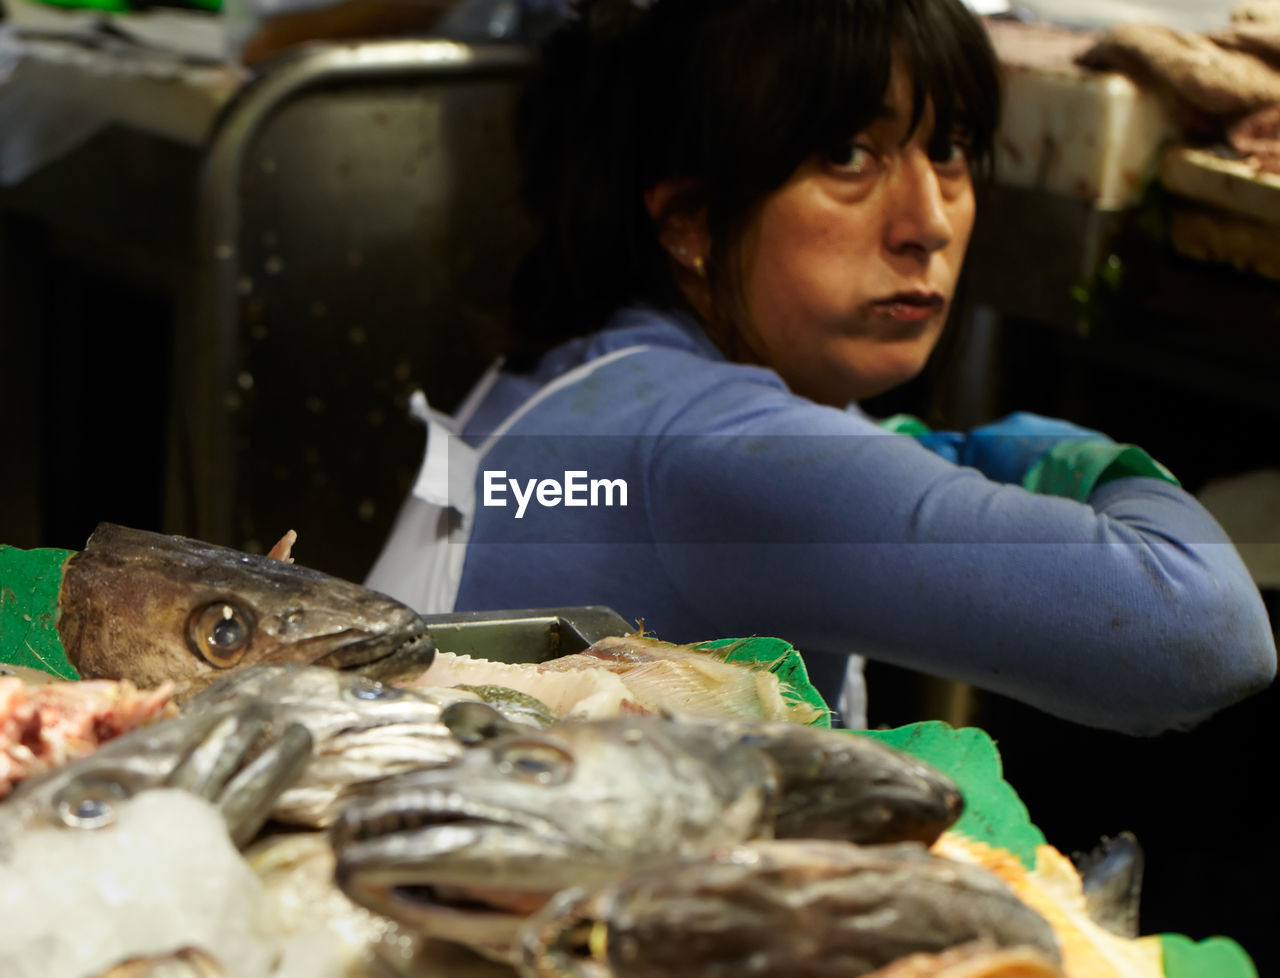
790, 908
363, 730
838, 784
465, 852
235, 757
150, 607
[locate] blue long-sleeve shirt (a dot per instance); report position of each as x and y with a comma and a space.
751, 510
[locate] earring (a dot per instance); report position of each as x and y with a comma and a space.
700, 266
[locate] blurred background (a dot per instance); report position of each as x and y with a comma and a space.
234, 238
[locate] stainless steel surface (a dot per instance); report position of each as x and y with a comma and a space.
529, 635
357, 228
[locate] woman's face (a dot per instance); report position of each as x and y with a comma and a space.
851, 265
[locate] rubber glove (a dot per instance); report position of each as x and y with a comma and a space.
1045, 455
1074, 469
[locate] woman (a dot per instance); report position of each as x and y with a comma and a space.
752, 214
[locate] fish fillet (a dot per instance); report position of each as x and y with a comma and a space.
46, 725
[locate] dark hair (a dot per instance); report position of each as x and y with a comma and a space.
730, 95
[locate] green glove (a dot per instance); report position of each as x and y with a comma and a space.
1073, 469
905, 424
29, 584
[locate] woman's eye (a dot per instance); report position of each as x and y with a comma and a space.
851, 158
951, 156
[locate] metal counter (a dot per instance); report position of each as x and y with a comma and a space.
223, 342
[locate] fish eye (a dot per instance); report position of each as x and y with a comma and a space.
89, 804
472, 722
219, 633
534, 763
370, 689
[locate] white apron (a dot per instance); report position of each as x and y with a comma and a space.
421, 563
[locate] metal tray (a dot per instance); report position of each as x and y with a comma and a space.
526, 635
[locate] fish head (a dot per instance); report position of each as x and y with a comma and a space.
839, 784
150, 607
234, 757
84, 793
364, 730
466, 851
328, 701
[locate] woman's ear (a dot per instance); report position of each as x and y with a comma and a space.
682, 231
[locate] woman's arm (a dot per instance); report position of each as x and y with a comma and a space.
1131, 611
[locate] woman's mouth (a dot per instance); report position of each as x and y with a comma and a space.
909, 307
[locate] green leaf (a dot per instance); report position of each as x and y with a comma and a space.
29, 585
783, 661
1216, 957
993, 812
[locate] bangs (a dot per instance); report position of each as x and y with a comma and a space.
812, 73
953, 65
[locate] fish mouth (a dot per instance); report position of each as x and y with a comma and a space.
442, 854
387, 815
384, 657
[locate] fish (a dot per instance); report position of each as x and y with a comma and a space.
466, 851
838, 784
47, 722
583, 694
1053, 887
362, 730
234, 757
686, 679
98, 857
162, 874
778, 908
154, 608
636, 674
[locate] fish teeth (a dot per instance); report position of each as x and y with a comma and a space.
382, 813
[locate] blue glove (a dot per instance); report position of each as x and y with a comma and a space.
1044, 455
1003, 450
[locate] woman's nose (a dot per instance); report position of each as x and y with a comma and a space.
918, 222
